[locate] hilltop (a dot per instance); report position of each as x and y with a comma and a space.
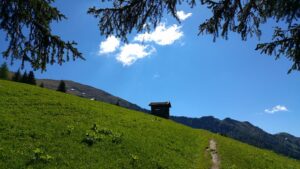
91, 93
42, 128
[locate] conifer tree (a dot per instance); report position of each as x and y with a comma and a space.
42, 85
24, 77
4, 71
62, 87
31, 78
30, 38
17, 76
27, 28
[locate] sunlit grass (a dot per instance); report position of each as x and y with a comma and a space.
59, 124
40, 128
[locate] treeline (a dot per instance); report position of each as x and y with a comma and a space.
25, 78
28, 78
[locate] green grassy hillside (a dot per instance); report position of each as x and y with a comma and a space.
63, 127
237, 155
40, 128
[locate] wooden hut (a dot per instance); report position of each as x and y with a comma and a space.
161, 109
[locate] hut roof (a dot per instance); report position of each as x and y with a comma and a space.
168, 104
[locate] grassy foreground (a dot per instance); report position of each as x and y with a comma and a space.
40, 128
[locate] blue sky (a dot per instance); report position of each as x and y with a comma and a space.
227, 78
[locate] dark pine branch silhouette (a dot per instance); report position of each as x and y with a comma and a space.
29, 36
244, 17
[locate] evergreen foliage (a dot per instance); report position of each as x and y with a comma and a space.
4, 71
17, 76
243, 17
24, 78
31, 78
29, 36
62, 87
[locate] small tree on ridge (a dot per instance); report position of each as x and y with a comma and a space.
17, 76
4, 71
62, 87
31, 78
24, 77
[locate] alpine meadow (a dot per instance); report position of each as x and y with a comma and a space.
149, 84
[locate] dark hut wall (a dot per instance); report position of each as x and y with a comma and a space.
161, 111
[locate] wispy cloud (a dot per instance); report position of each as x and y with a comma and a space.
162, 35
109, 45
182, 15
130, 53
278, 108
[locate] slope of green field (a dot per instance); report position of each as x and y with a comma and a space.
40, 128
237, 155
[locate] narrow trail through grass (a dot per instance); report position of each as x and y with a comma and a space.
214, 154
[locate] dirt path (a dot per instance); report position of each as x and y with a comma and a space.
214, 154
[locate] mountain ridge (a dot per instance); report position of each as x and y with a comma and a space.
91, 93
282, 143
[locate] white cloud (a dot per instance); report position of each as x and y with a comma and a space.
109, 45
130, 53
162, 35
275, 109
182, 15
